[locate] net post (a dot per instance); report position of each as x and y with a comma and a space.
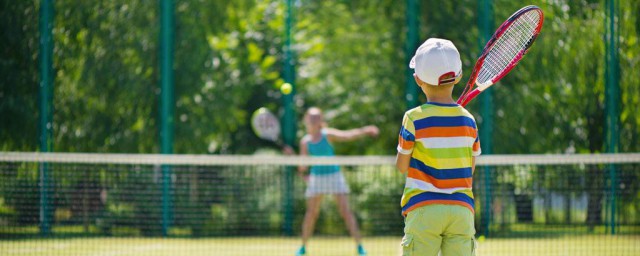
413, 23
46, 109
288, 118
612, 96
166, 105
485, 23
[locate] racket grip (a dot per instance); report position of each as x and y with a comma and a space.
468, 97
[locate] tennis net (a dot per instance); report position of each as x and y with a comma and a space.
146, 204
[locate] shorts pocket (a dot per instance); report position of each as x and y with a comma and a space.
407, 245
474, 246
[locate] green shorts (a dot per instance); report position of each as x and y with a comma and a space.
439, 228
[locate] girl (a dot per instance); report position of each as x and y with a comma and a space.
328, 179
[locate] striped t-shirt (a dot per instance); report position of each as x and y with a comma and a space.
442, 140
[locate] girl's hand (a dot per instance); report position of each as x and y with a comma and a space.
288, 150
371, 130
304, 176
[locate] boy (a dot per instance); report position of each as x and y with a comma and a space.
437, 146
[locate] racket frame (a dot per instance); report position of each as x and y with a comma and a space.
467, 95
258, 132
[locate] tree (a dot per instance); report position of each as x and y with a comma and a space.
19, 71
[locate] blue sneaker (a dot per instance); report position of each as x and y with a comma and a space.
301, 251
361, 251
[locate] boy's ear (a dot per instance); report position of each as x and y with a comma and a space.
418, 81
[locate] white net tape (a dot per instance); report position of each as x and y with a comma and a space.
247, 160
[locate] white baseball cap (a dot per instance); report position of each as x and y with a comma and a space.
437, 62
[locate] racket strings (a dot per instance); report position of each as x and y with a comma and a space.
510, 47
507, 48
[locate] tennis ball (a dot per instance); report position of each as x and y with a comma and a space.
481, 239
286, 88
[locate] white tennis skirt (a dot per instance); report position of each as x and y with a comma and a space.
333, 183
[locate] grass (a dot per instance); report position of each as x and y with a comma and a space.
339, 246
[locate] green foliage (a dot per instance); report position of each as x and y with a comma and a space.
105, 56
227, 66
18, 69
350, 62
351, 65
557, 92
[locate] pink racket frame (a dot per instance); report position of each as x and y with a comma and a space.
466, 97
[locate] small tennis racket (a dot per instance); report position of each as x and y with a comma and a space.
504, 50
266, 126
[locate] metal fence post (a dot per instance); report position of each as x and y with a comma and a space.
612, 96
412, 21
288, 118
46, 109
166, 105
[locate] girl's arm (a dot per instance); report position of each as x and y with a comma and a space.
304, 151
352, 134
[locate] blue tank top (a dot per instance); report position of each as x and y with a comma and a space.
322, 148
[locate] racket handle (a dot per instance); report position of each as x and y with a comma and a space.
465, 99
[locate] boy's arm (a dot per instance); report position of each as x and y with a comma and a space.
402, 162
406, 141
352, 134
473, 164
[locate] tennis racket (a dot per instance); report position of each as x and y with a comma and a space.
266, 126
504, 50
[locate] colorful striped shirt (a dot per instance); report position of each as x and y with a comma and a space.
442, 140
